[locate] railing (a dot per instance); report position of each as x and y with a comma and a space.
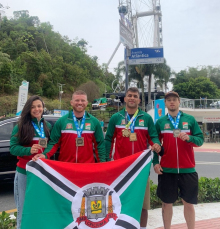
193, 104
200, 103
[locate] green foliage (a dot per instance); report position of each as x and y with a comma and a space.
91, 89
196, 88
6, 222
195, 83
32, 51
154, 200
112, 97
209, 191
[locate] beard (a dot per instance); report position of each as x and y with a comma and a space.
134, 105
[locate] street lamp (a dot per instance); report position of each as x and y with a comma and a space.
60, 92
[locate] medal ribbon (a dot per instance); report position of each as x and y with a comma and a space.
40, 130
175, 124
131, 122
79, 129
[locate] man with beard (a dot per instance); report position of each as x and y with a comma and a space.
129, 131
78, 134
179, 133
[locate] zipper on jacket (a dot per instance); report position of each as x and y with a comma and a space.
177, 152
132, 148
76, 153
79, 123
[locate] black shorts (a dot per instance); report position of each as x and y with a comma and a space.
172, 185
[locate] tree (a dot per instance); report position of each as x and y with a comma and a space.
196, 88
148, 70
5, 71
163, 75
91, 89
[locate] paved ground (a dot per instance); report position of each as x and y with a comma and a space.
207, 217
208, 147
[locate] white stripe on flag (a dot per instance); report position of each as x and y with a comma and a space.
50, 183
127, 218
125, 173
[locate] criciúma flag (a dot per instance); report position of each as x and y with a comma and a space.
107, 195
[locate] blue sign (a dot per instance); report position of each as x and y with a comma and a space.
159, 109
146, 56
60, 112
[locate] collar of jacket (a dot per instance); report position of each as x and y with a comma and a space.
35, 120
181, 113
70, 116
122, 112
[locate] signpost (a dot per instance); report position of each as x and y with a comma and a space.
22, 96
146, 56
126, 36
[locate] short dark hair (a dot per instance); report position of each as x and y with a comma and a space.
133, 89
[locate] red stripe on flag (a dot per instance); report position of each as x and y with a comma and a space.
78, 174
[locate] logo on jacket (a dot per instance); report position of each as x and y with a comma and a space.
167, 126
88, 126
69, 126
97, 207
141, 122
185, 125
123, 122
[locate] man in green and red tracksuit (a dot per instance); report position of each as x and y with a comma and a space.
78, 134
129, 131
179, 133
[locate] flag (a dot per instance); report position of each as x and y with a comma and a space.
83, 196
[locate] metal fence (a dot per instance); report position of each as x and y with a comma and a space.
193, 104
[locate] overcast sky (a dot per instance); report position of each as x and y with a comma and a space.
191, 28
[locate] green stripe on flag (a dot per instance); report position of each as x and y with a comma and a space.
43, 203
133, 196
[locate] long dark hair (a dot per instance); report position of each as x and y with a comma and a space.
25, 126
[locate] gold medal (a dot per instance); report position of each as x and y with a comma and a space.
176, 133
80, 141
126, 132
133, 137
43, 142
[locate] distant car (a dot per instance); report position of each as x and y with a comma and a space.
215, 104
7, 161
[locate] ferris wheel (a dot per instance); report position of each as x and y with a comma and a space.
146, 21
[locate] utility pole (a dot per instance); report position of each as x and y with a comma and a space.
60, 93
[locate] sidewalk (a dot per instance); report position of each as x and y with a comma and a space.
207, 217
208, 147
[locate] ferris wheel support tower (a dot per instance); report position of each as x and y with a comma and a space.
156, 12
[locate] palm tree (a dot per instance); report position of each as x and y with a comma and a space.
160, 71
162, 75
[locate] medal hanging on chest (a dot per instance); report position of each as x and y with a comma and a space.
130, 133
176, 131
133, 137
42, 140
79, 139
126, 132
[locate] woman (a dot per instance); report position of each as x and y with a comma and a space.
25, 142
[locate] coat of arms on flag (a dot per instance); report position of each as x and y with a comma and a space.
62, 195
